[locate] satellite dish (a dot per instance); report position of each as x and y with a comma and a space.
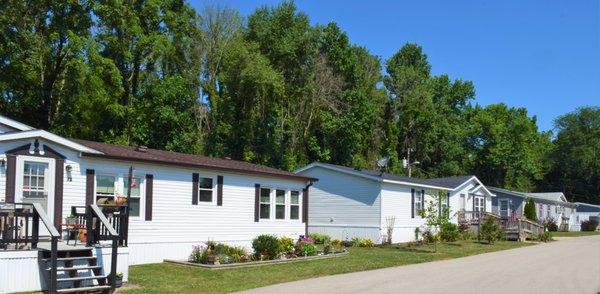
382, 162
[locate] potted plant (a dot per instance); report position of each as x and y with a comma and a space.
120, 200
119, 280
71, 220
82, 235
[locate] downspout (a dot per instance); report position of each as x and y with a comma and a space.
310, 183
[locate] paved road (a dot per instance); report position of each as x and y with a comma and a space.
570, 265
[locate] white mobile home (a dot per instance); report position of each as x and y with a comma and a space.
585, 212
348, 202
177, 200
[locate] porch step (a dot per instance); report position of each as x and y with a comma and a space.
84, 289
75, 279
64, 269
71, 258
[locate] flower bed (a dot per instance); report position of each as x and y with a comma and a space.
267, 249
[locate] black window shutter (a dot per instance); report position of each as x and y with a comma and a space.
448, 204
305, 205
439, 204
423, 199
484, 203
473, 202
195, 180
11, 173
89, 186
412, 203
256, 202
219, 190
149, 193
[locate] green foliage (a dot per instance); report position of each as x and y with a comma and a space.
220, 252
576, 156
273, 90
320, 238
449, 232
336, 242
266, 245
286, 244
589, 225
307, 249
530, 211
544, 237
490, 230
362, 242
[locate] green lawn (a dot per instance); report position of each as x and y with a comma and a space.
574, 234
164, 277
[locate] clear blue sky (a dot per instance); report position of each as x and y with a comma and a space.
541, 55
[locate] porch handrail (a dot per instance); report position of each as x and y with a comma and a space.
54, 236
94, 210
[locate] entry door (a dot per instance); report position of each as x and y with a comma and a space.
503, 208
35, 184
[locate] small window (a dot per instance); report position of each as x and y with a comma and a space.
134, 200
294, 205
206, 190
34, 183
105, 187
280, 204
479, 203
265, 203
418, 203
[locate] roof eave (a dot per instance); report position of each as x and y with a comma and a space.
192, 165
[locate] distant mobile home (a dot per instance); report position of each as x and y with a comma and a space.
348, 202
549, 205
585, 212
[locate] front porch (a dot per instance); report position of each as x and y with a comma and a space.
515, 228
36, 256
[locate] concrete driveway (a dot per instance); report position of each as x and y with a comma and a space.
570, 265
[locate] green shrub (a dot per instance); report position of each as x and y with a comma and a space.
362, 242
319, 238
544, 237
529, 210
449, 232
286, 244
266, 245
589, 225
490, 230
336, 242
327, 248
307, 249
467, 235
429, 237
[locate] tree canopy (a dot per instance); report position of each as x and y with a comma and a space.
271, 88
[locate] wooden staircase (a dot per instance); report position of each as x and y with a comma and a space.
77, 270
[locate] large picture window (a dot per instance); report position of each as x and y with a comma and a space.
294, 205
206, 190
265, 203
134, 200
105, 187
280, 204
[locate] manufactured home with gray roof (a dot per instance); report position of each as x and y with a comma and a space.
348, 202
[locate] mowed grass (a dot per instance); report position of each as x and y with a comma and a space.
574, 234
170, 278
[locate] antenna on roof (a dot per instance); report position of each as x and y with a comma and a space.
383, 162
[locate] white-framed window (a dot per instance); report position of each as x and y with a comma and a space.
279, 204
136, 195
479, 203
265, 203
418, 203
205, 189
106, 186
294, 205
463, 202
35, 183
547, 209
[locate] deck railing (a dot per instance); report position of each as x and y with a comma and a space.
116, 215
97, 214
15, 232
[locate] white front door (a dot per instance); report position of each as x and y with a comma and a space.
35, 183
503, 208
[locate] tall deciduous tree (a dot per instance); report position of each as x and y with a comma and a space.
576, 156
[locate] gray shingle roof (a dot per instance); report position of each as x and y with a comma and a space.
447, 182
